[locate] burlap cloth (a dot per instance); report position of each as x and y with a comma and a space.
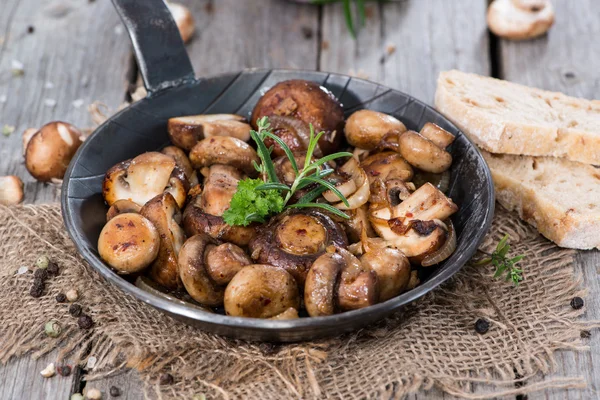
431, 343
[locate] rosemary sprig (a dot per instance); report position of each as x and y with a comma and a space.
361, 12
504, 265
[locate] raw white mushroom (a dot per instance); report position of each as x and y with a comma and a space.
520, 19
11, 190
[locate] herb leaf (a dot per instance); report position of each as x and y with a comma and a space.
250, 204
504, 265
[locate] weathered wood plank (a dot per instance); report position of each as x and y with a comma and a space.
232, 35
75, 52
128, 382
566, 60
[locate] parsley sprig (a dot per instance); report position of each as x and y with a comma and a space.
255, 200
504, 265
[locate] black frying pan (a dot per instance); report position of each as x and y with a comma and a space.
173, 91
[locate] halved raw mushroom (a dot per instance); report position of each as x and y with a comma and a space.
338, 281
164, 213
143, 178
441, 137
50, 150
293, 240
186, 131
520, 19
261, 291
183, 162
11, 190
422, 153
354, 186
387, 165
122, 207
227, 151
129, 243
365, 128
193, 272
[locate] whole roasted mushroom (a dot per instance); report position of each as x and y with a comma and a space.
165, 215
365, 128
129, 243
183, 162
143, 178
306, 101
122, 207
186, 131
337, 282
293, 240
261, 291
423, 153
392, 268
224, 150
387, 165
50, 150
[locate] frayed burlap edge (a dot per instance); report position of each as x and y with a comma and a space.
429, 344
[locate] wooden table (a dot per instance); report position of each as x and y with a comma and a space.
75, 52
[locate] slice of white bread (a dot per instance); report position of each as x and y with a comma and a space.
504, 117
560, 197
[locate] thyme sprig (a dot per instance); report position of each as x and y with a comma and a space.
504, 265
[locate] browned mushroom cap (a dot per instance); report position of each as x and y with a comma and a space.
261, 291
129, 243
50, 150
11, 190
185, 132
441, 137
293, 240
224, 150
195, 221
294, 132
194, 274
422, 153
183, 162
308, 102
366, 128
387, 165
219, 187
144, 177
164, 213
337, 281
122, 207
224, 261
392, 269
520, 19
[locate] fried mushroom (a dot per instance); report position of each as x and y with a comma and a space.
129, 243
122, 207
387, 165
227, 151
224, 261
183, 162
261, 291
143, 178
193, 271
392, 268
422, 153
186, 131
365, 128
165, 215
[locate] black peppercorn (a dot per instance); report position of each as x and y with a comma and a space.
85, 322
75, 310
585, 334
114, 391
482, 325
30, 29
166, 379
40, 274
63, 370
52, 268
577, 303
307, 32
37, 289
61, 298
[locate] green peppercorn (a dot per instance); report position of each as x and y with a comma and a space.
77, 396
200, 396
52, 328
42, 262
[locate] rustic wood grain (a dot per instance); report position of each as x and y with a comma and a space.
128, 382
567, 60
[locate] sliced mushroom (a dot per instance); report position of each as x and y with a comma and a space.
143, 178
50, 150
441, 137
355, 186
294, 239
183, 162
424, 238
164, 213
426, 203
520, 19
359, 221
392, 269
387, 165
308, 102
224, 150
11, 190
422, 153
261, 291
194, 274
122, 207
224, 261
129, 243
337, 281
186, 131
366, 128
184, 20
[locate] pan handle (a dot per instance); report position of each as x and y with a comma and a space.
159, 50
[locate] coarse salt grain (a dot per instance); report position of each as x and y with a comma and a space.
77, 103
22, 270
50, 103
91, 362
